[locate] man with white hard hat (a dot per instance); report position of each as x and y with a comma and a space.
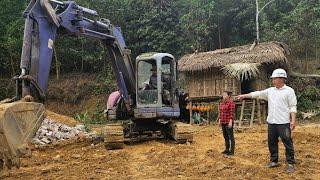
282, 109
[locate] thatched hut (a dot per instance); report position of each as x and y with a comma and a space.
241, 69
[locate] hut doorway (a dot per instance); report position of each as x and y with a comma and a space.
247, 86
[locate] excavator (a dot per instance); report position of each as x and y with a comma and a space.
146, 107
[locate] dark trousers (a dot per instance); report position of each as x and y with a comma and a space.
184, 115
228, 137
284, 132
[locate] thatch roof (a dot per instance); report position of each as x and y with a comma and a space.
241, 61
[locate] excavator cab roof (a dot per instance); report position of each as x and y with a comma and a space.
153, 55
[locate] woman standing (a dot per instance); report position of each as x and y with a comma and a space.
226, 119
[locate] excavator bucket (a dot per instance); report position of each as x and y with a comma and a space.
19, 122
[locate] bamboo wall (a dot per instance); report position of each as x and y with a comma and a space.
210, 83
213, 82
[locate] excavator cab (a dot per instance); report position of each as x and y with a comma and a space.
156, 77
156, 104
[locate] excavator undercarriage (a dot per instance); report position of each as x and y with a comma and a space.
117, 134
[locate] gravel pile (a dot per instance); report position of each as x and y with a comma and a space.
53, 132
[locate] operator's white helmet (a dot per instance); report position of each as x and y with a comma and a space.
279, 73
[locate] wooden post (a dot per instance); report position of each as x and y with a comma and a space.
190, 111
208, 117
242, 111
264, 111
259, 110
252, 112
217, 120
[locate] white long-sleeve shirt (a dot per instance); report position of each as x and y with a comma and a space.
281, 102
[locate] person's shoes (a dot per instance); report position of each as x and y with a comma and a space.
290, 168
225, 152
230, 154
273, 164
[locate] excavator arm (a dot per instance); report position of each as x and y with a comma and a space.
44, 21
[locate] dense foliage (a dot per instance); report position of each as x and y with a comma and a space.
174, 26
177, 27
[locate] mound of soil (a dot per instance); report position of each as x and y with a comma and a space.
76, 93
67, 120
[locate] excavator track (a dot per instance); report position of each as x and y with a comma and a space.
181, 132
113, 136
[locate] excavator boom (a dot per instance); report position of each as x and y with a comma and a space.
21, 117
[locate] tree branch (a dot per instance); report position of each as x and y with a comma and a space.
265, 5
296, 74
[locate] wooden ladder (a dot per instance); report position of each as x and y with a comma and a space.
250, 113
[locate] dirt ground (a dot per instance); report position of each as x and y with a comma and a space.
163, 159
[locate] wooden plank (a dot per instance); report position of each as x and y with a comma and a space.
199, 84
234, 86
214, 87
225, 84
190, 113
210, 84
204, 87
195, 85
191, 86
220, 86
201, 80
209, 88
264, 111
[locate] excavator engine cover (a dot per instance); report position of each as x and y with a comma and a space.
19, 121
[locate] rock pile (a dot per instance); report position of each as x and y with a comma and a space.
53, 132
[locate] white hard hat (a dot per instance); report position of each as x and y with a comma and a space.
279, 73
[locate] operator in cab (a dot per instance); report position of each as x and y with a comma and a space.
153, 78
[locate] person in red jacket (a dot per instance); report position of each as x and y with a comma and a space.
226, 119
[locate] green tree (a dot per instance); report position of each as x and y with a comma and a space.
295, 22
11, 24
